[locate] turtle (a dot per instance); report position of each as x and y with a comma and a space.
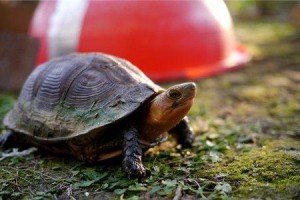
96, 106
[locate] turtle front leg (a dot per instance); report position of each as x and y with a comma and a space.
132, 150
183, 133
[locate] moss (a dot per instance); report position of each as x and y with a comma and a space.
272, 168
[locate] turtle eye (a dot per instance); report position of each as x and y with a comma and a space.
174, 94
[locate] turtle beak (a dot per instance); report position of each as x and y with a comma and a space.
189, 89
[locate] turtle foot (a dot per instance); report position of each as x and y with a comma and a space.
133, 168
188, 141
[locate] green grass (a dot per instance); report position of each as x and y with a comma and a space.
247, 143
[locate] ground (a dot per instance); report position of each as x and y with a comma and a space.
247, 144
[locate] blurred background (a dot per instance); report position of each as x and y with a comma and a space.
181, 39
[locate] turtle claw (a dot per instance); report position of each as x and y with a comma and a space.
133, 168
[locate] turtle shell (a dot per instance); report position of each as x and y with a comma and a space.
78, 93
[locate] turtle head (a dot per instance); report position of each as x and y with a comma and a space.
168, 108
174, 103
178, 96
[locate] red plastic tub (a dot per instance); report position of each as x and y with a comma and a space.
168, 40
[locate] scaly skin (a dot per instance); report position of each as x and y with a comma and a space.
165, 112
132, 150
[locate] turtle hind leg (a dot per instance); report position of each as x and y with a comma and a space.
7, 139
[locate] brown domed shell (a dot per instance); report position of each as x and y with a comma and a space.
78, 93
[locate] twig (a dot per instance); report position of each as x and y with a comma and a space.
15, 152
178, 193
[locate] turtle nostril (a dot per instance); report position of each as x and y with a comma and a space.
191, 86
